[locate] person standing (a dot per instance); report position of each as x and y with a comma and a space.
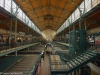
42, 57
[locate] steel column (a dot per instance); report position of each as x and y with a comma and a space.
28, 30
16, 12
69, 34
85, 24
80, 28
4, 4
10, 30
15, 53
73, 26
80, 21
15, 29
91, 4
11, 7
84, 7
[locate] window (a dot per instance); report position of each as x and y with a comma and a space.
29, 24
14, 7
1, 3
87, 5
19, 15
8, 5
33, 25
69, 19
82, 7
95, 2
73, 19
27, 20
77, 14
24, 20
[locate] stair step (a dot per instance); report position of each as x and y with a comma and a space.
91, 54
72, 63
78, 61
75, 62
86, 56
82, 59
68, 66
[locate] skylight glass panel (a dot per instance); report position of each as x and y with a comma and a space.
29, 24
95, 2
13, 7
24, 20
1, 3
88, 5
77, 14
19, 15
27, 20
8, 5
67, 23
82, 7
73, 19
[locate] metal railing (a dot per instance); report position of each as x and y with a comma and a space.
16, 48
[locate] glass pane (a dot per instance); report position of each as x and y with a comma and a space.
29, 23
87, 5
27, 20
24, 18
19, 15
69, 19
1, 3
82, 7
8, 5
33, 26
95, 2
73, 19
77, 14
13, 7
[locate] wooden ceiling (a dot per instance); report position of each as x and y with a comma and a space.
48, 14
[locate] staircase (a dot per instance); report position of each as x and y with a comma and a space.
75, 63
